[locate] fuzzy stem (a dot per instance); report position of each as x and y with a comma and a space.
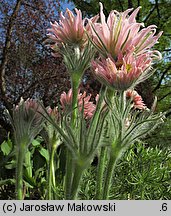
74, 101
108, 176
68, 175
76, 181
75, 82
100, 170
51, 173
122, 101
122, 105
19, 172
69, 162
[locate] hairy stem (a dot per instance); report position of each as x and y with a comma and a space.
75, 84
76, 181
100, 171
68, 175
51, 173
108, 176
19, 172
75, 81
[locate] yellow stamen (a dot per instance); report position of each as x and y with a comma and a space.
128, 67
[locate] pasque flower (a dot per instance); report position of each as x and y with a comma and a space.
27, 120
70, 37
83, 100
124, 73
121, 33
66, 100
70, 30
137, 101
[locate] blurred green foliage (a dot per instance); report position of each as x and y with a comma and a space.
143, 173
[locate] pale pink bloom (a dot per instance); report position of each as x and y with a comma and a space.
89, 106
136, 99
70, 29
33, 108
66, 100
29, 111
125, 73
31, 104
121, 33
83, 99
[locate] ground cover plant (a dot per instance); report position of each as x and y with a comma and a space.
87, 148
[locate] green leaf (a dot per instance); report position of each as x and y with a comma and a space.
44, 152
36, 142
28, 163
7, 181
6, 146
29, 179
11, 165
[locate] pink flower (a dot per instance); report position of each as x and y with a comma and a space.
70, 29
27, 121
89, 106
29, 110
136, 99
121, 33
66, 100
125, 73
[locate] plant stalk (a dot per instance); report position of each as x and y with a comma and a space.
76, 181
19, 172
100, 171
68, 175
75, 81
108, 176
51, 173
75, 84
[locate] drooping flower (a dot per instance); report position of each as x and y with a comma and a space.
83, 99
136, 99
121, 33
70, 30
27, 120
30, 111
126, 72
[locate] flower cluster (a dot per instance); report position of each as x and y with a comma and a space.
124, 44
126, 49
85, 129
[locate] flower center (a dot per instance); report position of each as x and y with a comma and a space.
128, 67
